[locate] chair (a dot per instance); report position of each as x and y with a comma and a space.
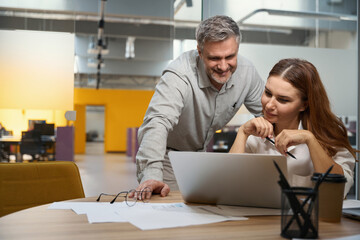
5, 150
32, 145
25, 185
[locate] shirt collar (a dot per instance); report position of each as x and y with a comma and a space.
203, 79
300, 127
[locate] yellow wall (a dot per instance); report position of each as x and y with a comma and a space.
80, 128
36, 78
123, 109
37, 70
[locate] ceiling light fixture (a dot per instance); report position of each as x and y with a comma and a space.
130, 48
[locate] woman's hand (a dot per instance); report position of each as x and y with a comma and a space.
291, 137
319, 157
259, 127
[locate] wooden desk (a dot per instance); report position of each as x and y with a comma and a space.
10, 139
40, 223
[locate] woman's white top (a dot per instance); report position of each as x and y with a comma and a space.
301, 169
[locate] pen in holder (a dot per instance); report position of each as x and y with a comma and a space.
299, 208
299, 213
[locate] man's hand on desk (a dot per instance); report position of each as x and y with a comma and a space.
153, 186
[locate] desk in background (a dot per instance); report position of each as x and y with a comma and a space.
8, 142
40, 223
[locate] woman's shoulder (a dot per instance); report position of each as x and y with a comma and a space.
343, 153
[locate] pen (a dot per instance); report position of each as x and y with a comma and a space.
269, 139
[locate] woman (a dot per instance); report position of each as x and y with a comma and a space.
298, 118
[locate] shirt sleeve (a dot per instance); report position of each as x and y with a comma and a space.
161, 116
253, 99
249, 145
344, 158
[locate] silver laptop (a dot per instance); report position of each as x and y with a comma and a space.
229, 179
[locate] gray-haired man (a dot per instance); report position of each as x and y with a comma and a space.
199, 92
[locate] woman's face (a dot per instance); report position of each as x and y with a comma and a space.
282, 103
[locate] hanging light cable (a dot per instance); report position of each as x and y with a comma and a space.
100, 42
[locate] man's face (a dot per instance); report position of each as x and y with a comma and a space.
220, 60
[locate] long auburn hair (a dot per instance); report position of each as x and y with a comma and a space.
317, 117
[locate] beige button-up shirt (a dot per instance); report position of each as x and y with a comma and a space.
186, 110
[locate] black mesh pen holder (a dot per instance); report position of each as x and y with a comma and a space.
299, 213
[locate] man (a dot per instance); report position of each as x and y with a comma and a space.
198, 93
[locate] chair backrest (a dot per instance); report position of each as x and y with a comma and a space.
31, 143
25, 185
30, 147
30, 135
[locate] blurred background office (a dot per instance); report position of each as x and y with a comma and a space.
103, 59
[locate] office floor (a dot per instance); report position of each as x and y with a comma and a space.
107, 173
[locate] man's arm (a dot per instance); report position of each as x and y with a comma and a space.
162, 114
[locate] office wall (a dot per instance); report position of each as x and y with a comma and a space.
123, 109
36, 70
80, 128
36, 78
337, 69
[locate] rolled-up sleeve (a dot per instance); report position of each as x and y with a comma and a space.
162, 114
347, 162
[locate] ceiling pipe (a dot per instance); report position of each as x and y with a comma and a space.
78, 16
317, 15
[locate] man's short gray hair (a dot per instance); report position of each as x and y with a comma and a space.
217, 28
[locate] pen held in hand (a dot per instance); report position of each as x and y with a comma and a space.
269, 139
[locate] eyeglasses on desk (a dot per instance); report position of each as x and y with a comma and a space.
131, 196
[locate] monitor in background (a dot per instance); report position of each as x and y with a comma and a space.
45, 128
32, 123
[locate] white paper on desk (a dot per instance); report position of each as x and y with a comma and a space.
223, 210
236, 211
145, 216
96, 207
97, 212
63, 205
84, 207
116, 212
148, 219
180, 207
350, 203
104, 215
